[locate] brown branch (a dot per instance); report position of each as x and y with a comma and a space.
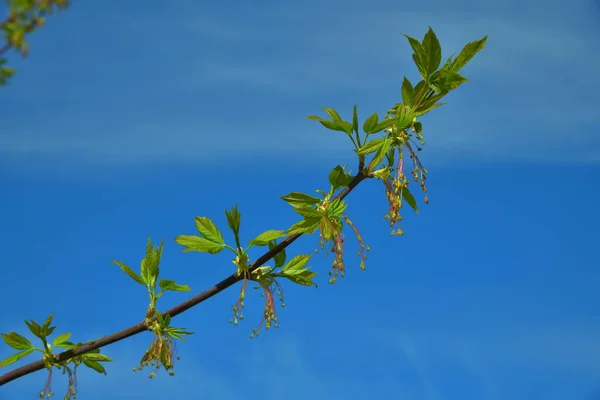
178, 309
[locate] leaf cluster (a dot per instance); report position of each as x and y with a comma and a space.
24, 16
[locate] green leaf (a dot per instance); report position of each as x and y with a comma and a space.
67, 345
279, 258
355, 119
308, 212
386, 123
331, 228
233, 220
448, 64
97, 357
420, 91
409, 198
336, 208
418, 56
390, 156
338, 177
35, 329
166, 284
417, 51
444, 81
429, 105
207, 228
381, 151
178, 333
371, 123
418, 126
467, 53
15, 357
149, 268
371, 147
432, 53
408, 92
341, 126
130, 272
404, 117
294, 271
60, 339
16, 341
160, 318
264, 238
296, 199
47, 322
94, 365
5, 74
332, 114
306, 226
197, 243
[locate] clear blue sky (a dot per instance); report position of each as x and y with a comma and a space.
129, 120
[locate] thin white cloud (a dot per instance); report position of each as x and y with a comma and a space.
491, 354
531, 86
431, 391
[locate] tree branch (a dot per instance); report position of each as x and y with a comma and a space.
178, 309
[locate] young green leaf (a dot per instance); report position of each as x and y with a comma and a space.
149, 268
371, 146
166, 284
15, 357
448, 64
336, 208
418, 126
96, 356
264, 238
294, 270
432, 53
130, 272
178, 333
338, 177
381, 152
233, 220
279, 258
331, 228
404, 117
16, 341
429, 105
35, 329
197, 243
161, 318
407, 92
296, 199
67, 345
417, 54
467, 53
341, 126
332, 114
445, 81
308, 212
420, 91
47, 323
306, 226
60, 339
371, 123
96, 366
386, 123
355, 119
409, 198
207, 228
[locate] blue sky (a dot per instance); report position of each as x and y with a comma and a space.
126, 122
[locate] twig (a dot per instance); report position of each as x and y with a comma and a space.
178, 309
